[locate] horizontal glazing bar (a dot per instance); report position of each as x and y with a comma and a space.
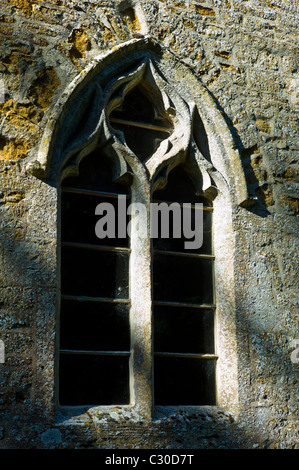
182, 304
187, 355
89, 246
192, 205
95, 353
92, 192
181, 253
144, 125
83, 298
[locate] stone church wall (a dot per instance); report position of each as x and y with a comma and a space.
245, 54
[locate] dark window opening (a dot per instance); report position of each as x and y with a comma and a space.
184, 344
95, 349
184, 381
143, 126
94, 306
93, 379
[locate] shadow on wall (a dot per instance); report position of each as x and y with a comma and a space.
28, 271
27, 312
253, 184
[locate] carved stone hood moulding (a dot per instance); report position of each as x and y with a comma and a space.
79, 122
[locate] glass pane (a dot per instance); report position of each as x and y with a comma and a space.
184, 381
95, 172
135, 107
141, 106
143, 142
93, 380
138, 108
183, 330
78, 219
94, 273
183, 279
179, 188
174, 223
98, 326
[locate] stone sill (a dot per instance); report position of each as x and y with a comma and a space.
111, 415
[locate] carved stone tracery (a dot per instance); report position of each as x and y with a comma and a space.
87, 118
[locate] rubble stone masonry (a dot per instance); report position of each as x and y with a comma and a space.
244, 53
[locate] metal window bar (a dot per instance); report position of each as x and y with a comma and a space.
93, 192
83, 298
182, 304
143, 125
185, 254
95, 352
187, 355
90, 246
192, 205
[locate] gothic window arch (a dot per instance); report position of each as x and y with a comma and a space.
132, 111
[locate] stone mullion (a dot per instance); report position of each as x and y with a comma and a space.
141, 305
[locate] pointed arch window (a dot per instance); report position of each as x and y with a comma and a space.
103, 319
137, 314
107, 308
